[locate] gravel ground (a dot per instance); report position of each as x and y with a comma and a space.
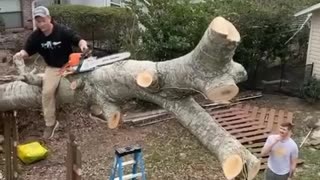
170, 151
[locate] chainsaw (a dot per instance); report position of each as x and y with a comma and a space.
84, 62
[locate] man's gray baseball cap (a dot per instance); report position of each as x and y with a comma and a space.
41, 11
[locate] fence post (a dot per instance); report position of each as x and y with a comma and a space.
15, 145
308, 72
10, 144
73, 161
282, 73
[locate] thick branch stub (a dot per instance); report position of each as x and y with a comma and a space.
147, 79
217, 46
115, 120
222, 93
32, 79
29, 77
224, 27
107, 111
19, 62
232, 166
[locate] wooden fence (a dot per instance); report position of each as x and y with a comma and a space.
8, 120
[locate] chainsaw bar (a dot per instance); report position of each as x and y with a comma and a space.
92, 63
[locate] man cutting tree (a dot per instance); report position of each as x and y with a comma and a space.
54, 43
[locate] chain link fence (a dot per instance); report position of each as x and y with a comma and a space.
284, 78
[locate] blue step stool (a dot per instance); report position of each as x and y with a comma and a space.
118, 165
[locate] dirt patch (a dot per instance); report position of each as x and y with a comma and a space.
170, 151
13, 41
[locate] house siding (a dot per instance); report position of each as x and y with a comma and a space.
27, 13
97, 3
314, 44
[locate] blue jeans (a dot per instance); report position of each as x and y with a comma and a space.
273, 176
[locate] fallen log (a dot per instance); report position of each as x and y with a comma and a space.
208, 69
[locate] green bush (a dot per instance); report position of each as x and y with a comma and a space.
107, 26
311, 90
173, 28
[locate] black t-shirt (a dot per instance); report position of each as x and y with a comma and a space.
55, 48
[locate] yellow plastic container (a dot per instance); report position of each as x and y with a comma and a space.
31, 152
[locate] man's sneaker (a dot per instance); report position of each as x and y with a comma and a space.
49, 131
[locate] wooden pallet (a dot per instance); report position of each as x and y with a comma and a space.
252, 125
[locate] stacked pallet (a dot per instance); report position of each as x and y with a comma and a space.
252, 125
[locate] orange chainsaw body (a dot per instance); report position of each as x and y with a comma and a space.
74, 59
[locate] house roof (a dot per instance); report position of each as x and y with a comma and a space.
308, 10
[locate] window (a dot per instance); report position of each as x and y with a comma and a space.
117, 3
57, 1
10, 11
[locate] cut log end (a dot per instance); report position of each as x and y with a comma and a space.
232, 166
146, 79
222, 94
114, 120
224, 27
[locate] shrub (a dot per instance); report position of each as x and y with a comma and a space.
311, 90
173, 28
107, 26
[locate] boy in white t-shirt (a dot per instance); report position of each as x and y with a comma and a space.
283, 154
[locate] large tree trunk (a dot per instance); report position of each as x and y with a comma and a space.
208, 69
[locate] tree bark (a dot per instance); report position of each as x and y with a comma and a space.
209, 69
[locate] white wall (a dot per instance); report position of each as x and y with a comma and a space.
314, 44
